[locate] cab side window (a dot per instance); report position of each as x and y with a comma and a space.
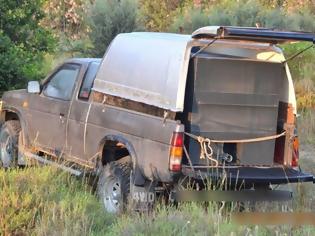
88, 80
61, 84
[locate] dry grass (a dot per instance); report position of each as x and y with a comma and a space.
306, 126
46, 201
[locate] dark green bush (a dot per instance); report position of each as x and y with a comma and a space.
23, 42
109, 18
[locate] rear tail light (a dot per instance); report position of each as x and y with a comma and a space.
295, 152
176, 151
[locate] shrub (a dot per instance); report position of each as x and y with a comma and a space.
194, 19
109, 18
243, 13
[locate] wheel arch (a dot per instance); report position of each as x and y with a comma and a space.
139, 179
14, 114
120, 139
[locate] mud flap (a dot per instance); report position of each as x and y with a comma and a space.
142, 197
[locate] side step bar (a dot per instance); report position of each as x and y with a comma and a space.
52, 163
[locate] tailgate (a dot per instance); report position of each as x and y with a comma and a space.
250, 175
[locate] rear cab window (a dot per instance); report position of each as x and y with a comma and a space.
88, 81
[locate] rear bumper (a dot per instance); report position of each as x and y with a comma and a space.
250, 175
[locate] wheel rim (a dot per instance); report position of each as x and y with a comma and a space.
6, 150
112, 195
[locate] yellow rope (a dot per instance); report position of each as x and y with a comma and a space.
251, 140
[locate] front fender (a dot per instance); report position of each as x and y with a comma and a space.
18, 113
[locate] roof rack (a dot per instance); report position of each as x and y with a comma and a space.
254, 34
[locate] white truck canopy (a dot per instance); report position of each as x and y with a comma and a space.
146, 67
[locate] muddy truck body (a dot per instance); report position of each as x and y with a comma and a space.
160, 108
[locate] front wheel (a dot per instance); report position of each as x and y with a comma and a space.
114, 186
9, 137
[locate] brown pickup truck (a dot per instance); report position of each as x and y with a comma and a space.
162, 108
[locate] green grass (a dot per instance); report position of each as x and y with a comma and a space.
46, 201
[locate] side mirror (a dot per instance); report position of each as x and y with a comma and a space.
33, 87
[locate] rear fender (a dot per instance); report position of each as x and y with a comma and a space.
139, 179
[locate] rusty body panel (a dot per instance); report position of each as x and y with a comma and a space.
148, 137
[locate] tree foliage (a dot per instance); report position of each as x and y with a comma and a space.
68, 21
109, 18
67, 17
22, 42
158, 15
245, 13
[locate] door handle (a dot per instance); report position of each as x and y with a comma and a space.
61, 117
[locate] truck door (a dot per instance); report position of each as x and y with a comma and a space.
48, 111
78, 118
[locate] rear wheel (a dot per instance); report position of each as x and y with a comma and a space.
114, 186
9, 137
